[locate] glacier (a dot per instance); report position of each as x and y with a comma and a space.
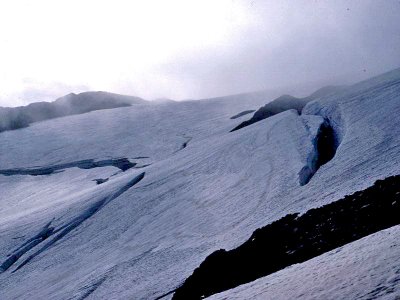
201, 188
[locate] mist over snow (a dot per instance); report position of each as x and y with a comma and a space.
191, 49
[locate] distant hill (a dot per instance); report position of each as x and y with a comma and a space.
71, 104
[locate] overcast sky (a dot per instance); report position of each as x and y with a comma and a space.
183, 49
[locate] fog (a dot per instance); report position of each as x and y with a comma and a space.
191, 49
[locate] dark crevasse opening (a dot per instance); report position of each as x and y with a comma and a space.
186, 143
296, 238
241, 114
325, 146
121, 163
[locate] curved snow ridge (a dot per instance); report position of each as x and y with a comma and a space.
296, 238
55, 234
121, 163
331, 112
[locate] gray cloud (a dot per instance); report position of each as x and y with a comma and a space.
34, 91
294, 45
315, 43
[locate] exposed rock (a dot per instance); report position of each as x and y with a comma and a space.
296, 238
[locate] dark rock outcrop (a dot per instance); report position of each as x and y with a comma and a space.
286, 102
296, 238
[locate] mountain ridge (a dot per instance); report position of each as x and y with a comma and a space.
12, 118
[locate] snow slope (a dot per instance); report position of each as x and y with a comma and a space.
204, 188
365, 269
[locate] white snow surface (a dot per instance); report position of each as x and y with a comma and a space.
193, 200
366, 269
